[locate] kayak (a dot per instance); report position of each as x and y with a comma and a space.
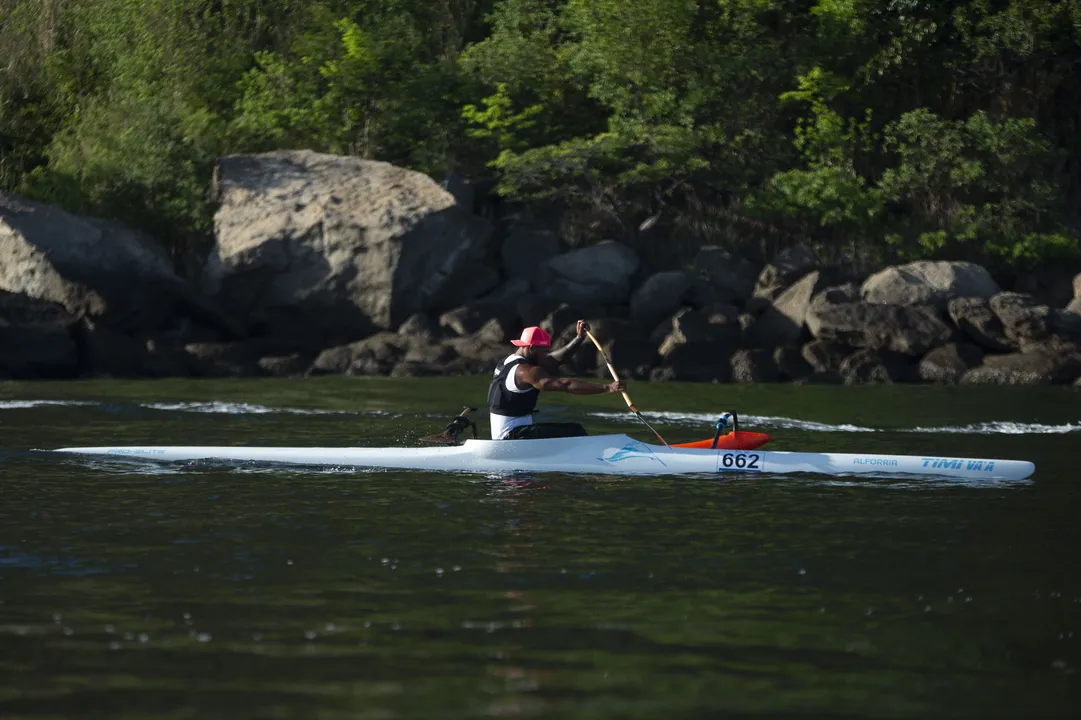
599, 454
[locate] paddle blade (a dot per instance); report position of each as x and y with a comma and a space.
443, 438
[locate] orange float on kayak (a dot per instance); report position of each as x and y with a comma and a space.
738, 440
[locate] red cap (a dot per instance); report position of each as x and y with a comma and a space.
533, 336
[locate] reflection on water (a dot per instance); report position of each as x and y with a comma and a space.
133, 589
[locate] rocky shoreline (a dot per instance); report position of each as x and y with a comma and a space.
327, 265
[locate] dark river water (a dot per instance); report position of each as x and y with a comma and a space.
129, 589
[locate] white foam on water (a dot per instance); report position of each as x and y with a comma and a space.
765, 422
26, 404
1001, 428
233, 408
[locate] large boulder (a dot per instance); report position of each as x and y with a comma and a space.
719, 277
374, 355
596, 275
36, 339
1025, 368
928, 283
501, 306
789, 265
631, 355
1024, 320
1077, 286
791, 365
907, 330
876, 367
658, 297
699, 326
824, 356
341, 244
707, 361
754, 366
96, 269
948, 363
974, 317
783, 322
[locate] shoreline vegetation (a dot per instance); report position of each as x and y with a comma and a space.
749, 190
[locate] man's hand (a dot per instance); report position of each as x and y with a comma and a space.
582, 328
617, 387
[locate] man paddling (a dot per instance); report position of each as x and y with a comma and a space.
520, 378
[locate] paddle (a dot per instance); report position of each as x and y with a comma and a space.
625, 395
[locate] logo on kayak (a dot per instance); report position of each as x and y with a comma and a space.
948, 464
632, 451
874, 461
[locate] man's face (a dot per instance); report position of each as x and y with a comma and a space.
537, 353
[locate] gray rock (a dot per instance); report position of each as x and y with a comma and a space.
478, 353
440, 354
907, 330
525, 250
695, 326
472, 317
565, 317
1025, 368
877, 367
789, 265
420, 326
974, 317
928, 283
234, 359
1074, 306
632, 357
96, 269
754, 366
1077, 286
707, 361
658, 297
105, 353
718, 276
783, 322
292, 365
824, 356
757, 305
37, 339
1065, 325
374, 355
791, 364
596, 275
948, 363
1023, 319
340, 243
534, 308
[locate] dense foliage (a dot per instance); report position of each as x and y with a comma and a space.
874, 129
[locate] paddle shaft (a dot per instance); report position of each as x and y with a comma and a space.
626, 397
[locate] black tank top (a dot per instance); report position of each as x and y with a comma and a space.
502, 401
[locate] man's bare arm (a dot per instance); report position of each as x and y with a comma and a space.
538, 378
558, 357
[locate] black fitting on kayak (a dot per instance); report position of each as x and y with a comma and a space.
722, 423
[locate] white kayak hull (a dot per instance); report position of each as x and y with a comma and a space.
599, 454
